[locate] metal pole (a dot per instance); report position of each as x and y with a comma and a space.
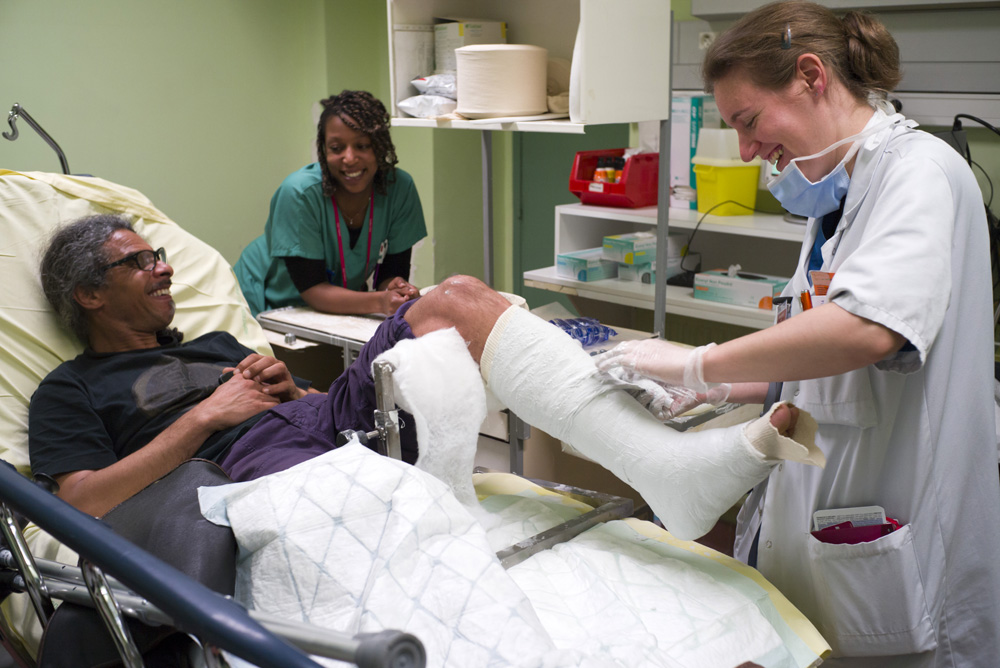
487, 144
37, 592
110, 612
663, 210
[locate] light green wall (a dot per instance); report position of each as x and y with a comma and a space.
204, 106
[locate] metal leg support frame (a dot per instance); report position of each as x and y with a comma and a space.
386, 415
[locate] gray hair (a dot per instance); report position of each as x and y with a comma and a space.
75, 257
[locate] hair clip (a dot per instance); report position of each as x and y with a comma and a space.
786, 39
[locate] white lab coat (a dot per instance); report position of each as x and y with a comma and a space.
913, 433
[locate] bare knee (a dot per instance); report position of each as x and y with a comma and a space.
467, 291
462, 302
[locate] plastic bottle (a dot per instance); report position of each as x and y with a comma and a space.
601, 173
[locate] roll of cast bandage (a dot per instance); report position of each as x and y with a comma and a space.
497, 80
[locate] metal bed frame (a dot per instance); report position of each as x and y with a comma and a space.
143, 587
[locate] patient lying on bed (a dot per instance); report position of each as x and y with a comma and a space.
138, 402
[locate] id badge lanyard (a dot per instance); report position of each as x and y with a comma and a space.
340, 242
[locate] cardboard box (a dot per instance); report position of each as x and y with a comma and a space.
631, 248
413, 56
744, 289
640, 247
688, 114
585, 265
451, 33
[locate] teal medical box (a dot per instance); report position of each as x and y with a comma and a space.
585, 265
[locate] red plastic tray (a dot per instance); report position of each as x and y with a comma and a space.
638, 186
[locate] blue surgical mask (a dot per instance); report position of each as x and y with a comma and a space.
803, 197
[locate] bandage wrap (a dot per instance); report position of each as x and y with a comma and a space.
428, 372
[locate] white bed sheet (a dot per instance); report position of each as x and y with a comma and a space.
359, 543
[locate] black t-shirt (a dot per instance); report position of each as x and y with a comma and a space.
96, 409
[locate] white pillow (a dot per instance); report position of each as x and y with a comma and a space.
33, 342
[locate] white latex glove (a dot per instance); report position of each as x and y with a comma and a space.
660, 360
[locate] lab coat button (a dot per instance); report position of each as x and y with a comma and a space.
796, 393
769, 545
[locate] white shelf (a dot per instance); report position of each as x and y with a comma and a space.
579, 226
767, 226
680, 301
554, 126
581, 33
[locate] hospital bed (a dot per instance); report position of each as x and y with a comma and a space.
208, 299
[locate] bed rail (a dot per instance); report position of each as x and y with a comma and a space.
172, 597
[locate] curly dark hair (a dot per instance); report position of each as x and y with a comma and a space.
362, 112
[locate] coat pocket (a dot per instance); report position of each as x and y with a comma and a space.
846, 399
870, 596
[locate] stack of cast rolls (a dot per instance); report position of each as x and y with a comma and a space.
499, 80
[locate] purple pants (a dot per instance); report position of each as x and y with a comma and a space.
295, 431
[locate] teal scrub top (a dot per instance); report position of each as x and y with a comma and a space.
301, 223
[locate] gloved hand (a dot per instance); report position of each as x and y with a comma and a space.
660, 360
664, 401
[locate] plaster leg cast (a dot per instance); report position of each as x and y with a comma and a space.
689, 480
430, 373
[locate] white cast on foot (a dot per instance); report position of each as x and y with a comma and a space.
689, 480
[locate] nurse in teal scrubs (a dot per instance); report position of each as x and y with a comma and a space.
340, 230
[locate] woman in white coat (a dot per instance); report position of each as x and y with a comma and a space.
896, 366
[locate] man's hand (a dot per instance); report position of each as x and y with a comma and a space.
234, 401
272, 375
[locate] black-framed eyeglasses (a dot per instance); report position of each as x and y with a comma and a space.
145, 260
